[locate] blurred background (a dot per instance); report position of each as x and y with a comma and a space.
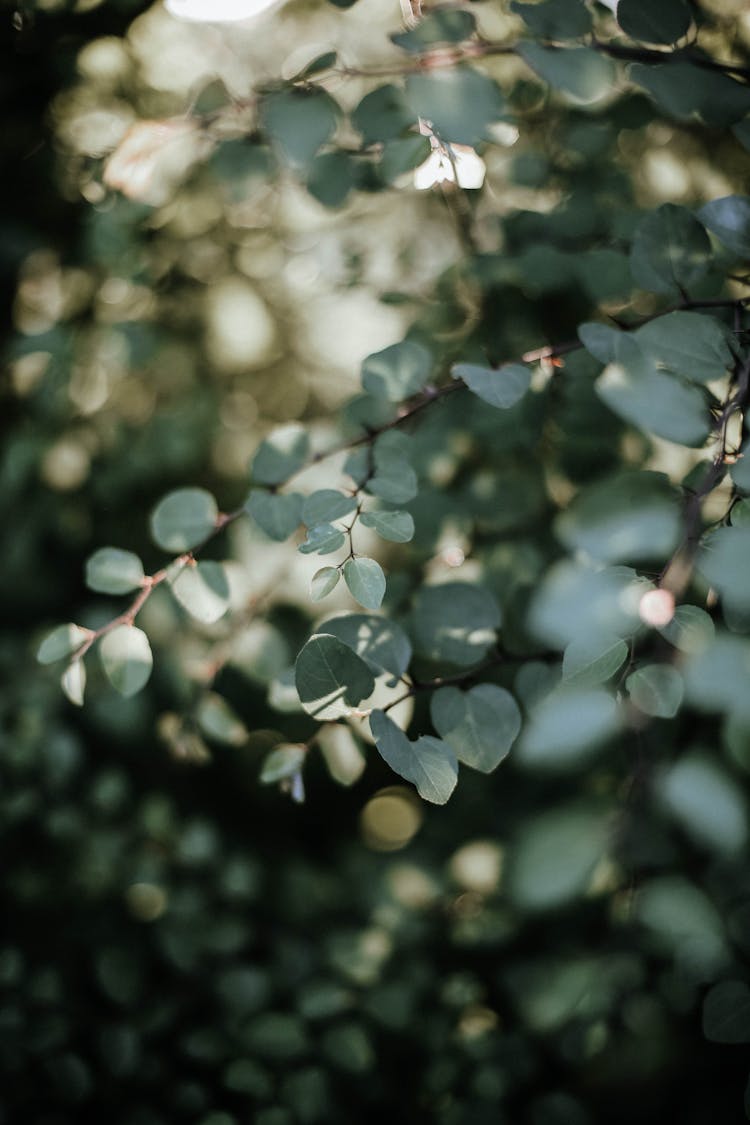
180, 943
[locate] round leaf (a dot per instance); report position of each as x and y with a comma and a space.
331, 678
501, 388
183, 519
323, 581
203, 590
479, 725
126, 657
428, 763
366, 581
397, 527
61, 642
112, 571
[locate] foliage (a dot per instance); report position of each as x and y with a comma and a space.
445, 496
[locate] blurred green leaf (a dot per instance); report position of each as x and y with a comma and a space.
203, 590
323, 582
445, 25
554, 855
282, 762
300, 121
61, 642
398, 371
460, 104
479, 725
325, 506
183, 519
671, 251
593, 658
112, 571
396, 527
706, 802
656, 689
73, 682
277, 514
126, 658
664, 23
726, 1012
502, 387
566, 727
554, 19
455, 622
729, 219
580, 72
281, 455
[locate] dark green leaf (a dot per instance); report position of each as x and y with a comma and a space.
725, 561
690, 344
740, 472
394, 479
332, 176
446, 25
366, 581
383, 115
684, 90
183, 519
299, 121
277, 514
330, 678
455, 623
593, 658
281, 455
479, 725
664, 22
555, 19
671, 251
600, 340
726, 1013
382, 644
428, 763
126, 657
501, 387
397, 527
402, 155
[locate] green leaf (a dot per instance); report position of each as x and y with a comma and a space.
729, 220
555, 19
323, 539
398, 371
331, 678
382, 644
724, 560
332, 176
383, 115
282, 762
366, 581
183, 519
277, 514
73, 682
126, 657
219, 721
343, 757
323, 581
664, 22
203, 590
651, 399
690, 630
403, 155
61, 642
317, 65
394, 479
629, 517
281, 455
706, 802
455, 622
299, 121
502, 387
685, 89
740, 472
726, 1012
717, 675
684, 922
593, 658
479, 725
574, 598
446, 25
112, 571
657, 690
459, 103
554, 855
326, 505
670, 252
566, 727
690, 344
600, 340
396, 527
580, 72
428, 763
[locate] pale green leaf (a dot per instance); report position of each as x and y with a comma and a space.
323, 540
554, 19
657, 690
203, 590
323, 582
566, 727
670, 252
219, 721
444, 25
706, 802
580, 72
382, 644
341, 752
459, 103
300, 120
396, 527
455, 622
689, 343
729, 219
183, 519
366, 581
627, 518
398, 371
724, 560
554, 855
61, 642
73, 682
690, 630
126, 658
283, 761
326, 505
112, 571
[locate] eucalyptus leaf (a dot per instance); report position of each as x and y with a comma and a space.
323, 582
184, 519
326, 505
300, 121
61, 642
428, 763
479, 725
281, 455
112, 571
203, 590
671, 251
323, 539
455, 622
664, 23
365, 580
502, 388
656, 689
73, 682
593, 658
398, 371
277, 514
581, 73
729, 219
396, 527
379, 641
126, 657
283, 762
330, 678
